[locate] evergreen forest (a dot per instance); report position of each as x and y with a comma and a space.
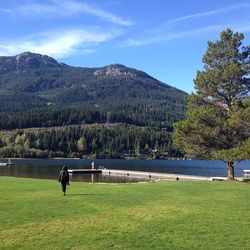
92, 141
47, 108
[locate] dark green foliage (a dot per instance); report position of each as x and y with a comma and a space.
116, 141
55, 116
218, 118
38, 92
34, 89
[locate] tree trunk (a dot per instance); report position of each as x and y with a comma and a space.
230, 170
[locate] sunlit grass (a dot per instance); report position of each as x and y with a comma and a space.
164, 215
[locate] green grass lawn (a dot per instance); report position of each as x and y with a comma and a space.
162, 215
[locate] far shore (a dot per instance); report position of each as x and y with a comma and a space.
72, 158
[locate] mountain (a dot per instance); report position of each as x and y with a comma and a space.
43, 90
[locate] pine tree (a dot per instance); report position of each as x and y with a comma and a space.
217, 125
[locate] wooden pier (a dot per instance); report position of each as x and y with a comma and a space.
138, 174
85, 171
151, 175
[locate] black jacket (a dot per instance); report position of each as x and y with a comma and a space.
63, 176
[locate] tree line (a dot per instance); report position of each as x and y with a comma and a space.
111, 141
139, 115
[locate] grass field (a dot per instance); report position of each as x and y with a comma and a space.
162, 215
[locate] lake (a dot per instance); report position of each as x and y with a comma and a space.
49, 168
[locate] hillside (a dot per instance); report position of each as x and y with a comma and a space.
36, 90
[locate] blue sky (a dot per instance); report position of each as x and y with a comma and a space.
166, 39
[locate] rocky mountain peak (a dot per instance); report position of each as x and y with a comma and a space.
31, 60
115, 70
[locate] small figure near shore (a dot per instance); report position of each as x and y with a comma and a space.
64, 178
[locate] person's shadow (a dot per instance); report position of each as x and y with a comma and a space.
85, 194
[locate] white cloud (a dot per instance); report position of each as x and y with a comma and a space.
185, 34
65, 8
169, 36
58, 43
168, 31
75, 7
208, 13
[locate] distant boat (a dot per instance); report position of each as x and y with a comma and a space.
9, 163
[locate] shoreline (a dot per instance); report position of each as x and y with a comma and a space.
126, 159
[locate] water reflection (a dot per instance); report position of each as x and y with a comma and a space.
101, 178
50, 168
51, 172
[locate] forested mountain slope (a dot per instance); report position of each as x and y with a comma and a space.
36, 90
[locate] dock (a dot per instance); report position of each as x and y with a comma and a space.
139, 174
85, 171
152, 175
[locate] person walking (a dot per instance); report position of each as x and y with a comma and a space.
64, 178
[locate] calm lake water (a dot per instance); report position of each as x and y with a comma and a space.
49, 168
